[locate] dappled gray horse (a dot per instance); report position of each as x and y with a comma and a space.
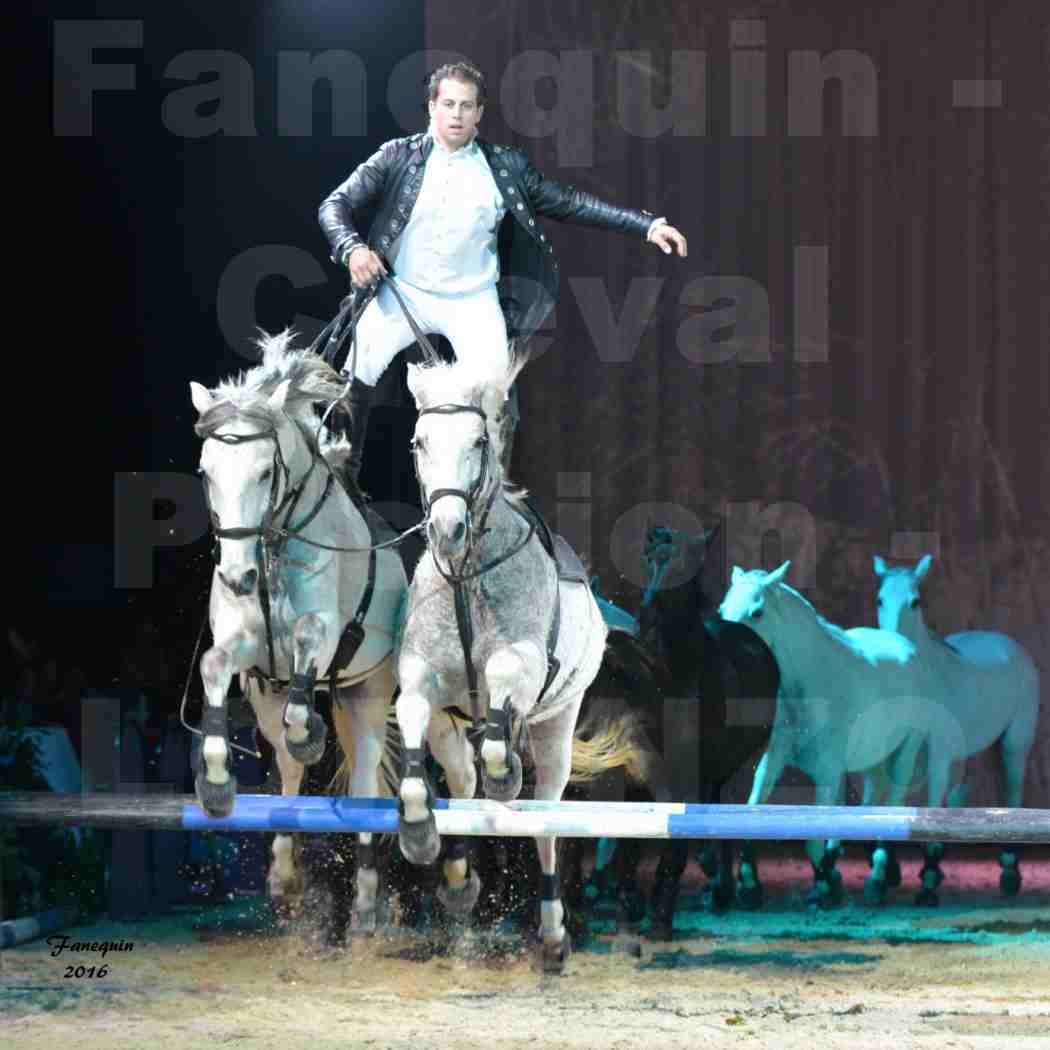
493, 628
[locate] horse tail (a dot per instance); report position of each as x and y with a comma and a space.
603, 744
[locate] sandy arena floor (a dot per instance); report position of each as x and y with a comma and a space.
973, 973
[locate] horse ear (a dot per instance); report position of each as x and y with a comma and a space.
736, 574
879, 565
778, 574
923, 567
201, 397
279, 396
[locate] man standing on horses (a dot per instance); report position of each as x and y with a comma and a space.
457, 230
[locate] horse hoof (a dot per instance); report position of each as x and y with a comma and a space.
826, 894
363, 922
215, 799
631, 907
875, 891
460, 902
927, 898
420, 842
507, 788
551, 958
1010, 882
661, 930
749, 898
311, 750
717, 897
284, 908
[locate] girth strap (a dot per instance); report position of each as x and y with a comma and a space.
354, 632
466, 640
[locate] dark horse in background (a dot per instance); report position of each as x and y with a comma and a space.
706, 689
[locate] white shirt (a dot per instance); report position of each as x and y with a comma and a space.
448, 245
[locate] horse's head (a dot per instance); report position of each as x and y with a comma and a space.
456, 450
673, 558
674, 600
751, 599
900, 601
256, 453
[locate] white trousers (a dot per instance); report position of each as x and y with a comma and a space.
473, 324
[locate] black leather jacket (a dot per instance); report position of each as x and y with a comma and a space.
390, 180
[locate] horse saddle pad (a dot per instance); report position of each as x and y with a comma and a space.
570, 568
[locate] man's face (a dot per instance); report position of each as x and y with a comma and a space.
455, 112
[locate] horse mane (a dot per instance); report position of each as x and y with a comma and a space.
246, 395
836, 632
839, 634
472, 383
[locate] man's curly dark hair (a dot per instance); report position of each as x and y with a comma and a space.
462, 71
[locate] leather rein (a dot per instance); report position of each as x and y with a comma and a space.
457, 579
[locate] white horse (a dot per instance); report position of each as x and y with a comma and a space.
287, 605
492, 628
849, 701
988, 685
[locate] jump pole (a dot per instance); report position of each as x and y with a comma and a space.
527, 818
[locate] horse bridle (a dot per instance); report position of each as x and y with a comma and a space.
458, 580
469, 496
271, 538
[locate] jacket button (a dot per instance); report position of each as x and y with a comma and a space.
532, 222
384, 242
503, 172
512, 190
412, 169
543, 236
521, 207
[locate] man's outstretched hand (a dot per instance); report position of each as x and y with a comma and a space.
668, 239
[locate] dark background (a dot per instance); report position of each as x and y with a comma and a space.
924, 427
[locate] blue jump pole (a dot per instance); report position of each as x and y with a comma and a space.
480, 817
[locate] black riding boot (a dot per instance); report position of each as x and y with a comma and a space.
359, 403
508, 428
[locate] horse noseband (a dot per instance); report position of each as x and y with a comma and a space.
264, 531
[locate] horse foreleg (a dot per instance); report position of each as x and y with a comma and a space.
888, 784
313, 645
770, 768
514, 677
417, 830
283, 882
215, 784
359, 716
827, 879
674, 857
551, 746
459, 891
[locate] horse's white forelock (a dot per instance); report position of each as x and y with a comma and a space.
469, 383
312, 379
275, 348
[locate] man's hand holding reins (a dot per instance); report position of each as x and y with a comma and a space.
365, 266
